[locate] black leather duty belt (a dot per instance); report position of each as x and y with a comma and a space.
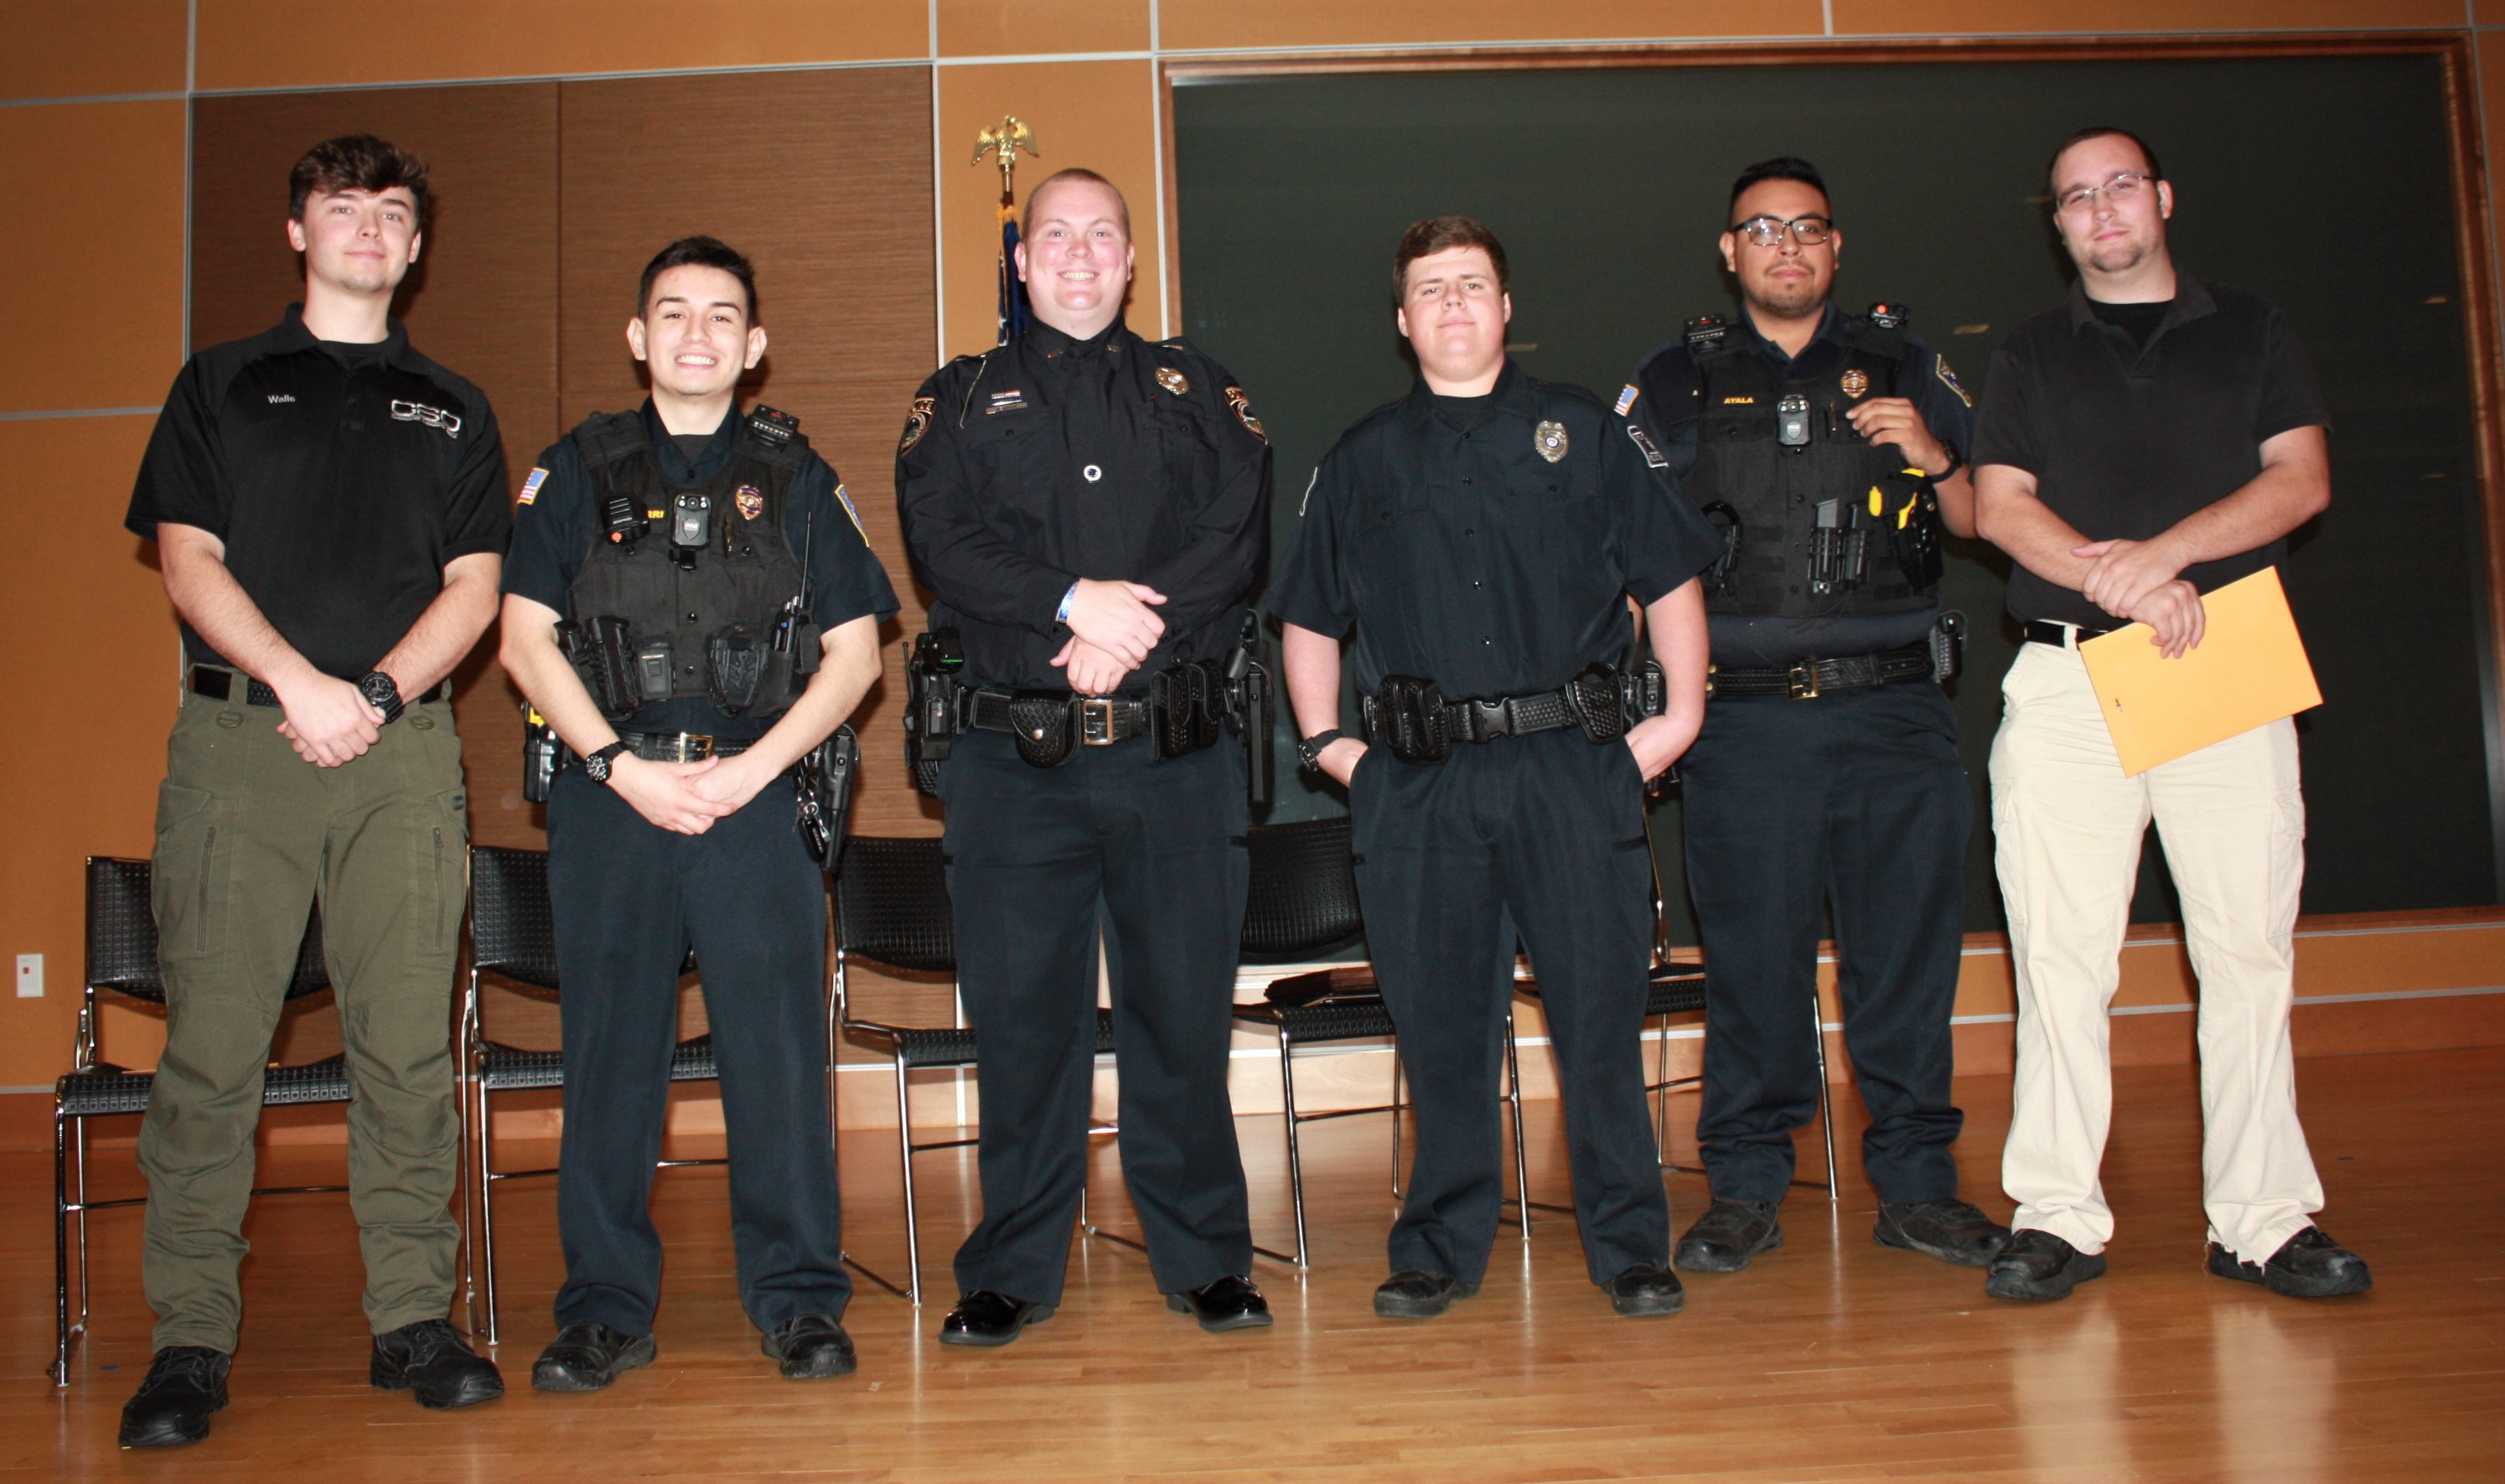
1101, 719
2058, 635
1809, 679
682, 746
1485, 719
219, 685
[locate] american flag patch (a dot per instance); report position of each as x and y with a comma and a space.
1627, 396
530, 486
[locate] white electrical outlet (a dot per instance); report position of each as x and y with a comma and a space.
30, 976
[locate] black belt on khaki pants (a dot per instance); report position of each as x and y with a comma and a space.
1809, 679
1102, 720
219, 685
2058, 635
683, 746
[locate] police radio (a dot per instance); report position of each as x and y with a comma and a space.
1791, 423
622, 521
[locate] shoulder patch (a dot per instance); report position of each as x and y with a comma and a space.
1627, 396
1243, 406
1652, 455
845, 499
530, 486
1948, 379
917, 422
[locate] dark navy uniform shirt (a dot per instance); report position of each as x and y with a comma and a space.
1663, 398
1052, 459
341, 477
557, 526
1462, 553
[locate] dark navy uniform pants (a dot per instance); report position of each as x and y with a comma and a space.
1855, 799
1544, 834
629, 898
1037, 858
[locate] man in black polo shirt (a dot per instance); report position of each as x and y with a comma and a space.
1482, 536
2155, 437
328, 508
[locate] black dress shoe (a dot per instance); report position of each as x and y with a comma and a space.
1727, 1235
2306, 1265
586, 1356
811, 1346
1414, 1292
2037, 1264
1646, 1289
433, 1361
1226, 1303
1952, 1230
985, 1318
184, 1385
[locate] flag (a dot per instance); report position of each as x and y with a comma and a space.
1013, 309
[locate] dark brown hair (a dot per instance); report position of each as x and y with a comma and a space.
356, 162
2156, 171
1435, 235
1026, 222
702, 253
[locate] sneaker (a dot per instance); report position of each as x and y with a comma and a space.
2306, 1265
2036, 1264
1952, 1230
1727, 1236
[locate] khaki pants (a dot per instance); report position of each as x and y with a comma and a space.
247, 835
2068, 827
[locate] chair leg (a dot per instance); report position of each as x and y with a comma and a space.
78, 1171
1513, 1101
1295, 1163
486, 1212
1661, 1096
1395, 1121
905, 1154
1825, 1099
59, 1369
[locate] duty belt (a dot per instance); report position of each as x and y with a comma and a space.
1809, 679
1096, 720
1410, 716
683, 746
2058, 635
1485, 720
219, 685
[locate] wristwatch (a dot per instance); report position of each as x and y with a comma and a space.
1308, 752
382, 693
595, 763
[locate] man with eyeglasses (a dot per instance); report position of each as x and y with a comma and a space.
2155, 437
1825, 448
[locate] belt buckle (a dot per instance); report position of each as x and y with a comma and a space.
1802, 679
1490, 719
1096, 721
691, 747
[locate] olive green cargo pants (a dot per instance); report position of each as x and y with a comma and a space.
247, 835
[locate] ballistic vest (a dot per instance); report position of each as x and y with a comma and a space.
706, 614
1823, 526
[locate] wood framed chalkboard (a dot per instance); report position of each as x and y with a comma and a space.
2332, 177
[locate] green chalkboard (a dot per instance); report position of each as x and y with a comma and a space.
2321, 182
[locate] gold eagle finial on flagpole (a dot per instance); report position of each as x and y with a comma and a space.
1003, 144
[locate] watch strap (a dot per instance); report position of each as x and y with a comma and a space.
382, 693
1308, 752
607, 756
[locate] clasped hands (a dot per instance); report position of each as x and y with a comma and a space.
2136, 579
1112, 627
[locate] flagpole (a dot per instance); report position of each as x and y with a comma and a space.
1002, 144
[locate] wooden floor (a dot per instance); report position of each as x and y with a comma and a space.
1832, 1359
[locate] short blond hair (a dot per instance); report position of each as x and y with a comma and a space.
1075, 173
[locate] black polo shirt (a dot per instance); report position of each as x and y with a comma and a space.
341, 477
1662, 400
1460, 552
557, 526
1050, 459
2125, 440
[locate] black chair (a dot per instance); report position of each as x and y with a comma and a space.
891, 910
1302, 907
512, 935
121, 957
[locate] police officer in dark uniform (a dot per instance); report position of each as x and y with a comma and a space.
1483, 535
1090, 510
693, 605
1827, 449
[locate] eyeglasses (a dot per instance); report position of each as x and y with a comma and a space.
2117, 190
1768, 231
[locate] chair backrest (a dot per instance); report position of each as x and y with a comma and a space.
892, 903
512, 930
122, 936
1303, 900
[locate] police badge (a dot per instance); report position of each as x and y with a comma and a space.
1550, 438
1172, 380
749, 501
916, 423
1856, 381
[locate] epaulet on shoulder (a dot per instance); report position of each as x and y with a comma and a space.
606, 436
1658, 351
1567, 390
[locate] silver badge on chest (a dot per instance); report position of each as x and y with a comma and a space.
1550, 438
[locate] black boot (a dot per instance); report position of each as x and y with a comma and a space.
430, 1360
184, 1385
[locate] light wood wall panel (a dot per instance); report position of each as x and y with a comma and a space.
482, 299
1996, 17
1230, 24
49, 50
91, 260
312, 44
1023, 28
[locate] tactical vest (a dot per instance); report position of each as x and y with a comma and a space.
656, 616
1817, 521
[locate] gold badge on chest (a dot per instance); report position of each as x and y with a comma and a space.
1172, 380
749, 501
1856, 381
1550, 438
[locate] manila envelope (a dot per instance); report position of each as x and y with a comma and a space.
2249, 670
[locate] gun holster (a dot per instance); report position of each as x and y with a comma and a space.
825, 791
933, 711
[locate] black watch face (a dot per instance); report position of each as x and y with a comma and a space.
378, 690
596, 767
